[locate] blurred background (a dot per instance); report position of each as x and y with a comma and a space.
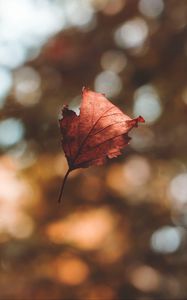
120, 232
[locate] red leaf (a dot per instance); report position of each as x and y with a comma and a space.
99, 132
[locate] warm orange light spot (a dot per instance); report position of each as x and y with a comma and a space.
86, 230
131, 179
101, 292
145, 278
15, 195
72, 270
116, 246
113, 7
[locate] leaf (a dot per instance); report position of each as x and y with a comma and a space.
98, 133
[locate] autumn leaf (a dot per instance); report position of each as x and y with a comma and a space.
98, 133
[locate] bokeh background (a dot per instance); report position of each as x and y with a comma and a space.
120, 232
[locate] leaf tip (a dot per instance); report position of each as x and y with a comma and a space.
85, 89
134, 122
141, 119
64, 108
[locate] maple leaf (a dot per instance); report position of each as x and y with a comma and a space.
99, 132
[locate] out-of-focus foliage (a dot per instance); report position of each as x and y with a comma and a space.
120, 232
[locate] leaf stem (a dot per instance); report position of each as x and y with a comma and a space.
63, 184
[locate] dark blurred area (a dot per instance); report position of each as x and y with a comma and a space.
120, 232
